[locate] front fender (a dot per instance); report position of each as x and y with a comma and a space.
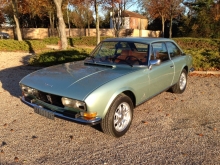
100, 100
118, 92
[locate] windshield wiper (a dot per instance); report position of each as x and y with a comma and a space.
92, 57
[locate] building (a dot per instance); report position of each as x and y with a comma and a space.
134, 20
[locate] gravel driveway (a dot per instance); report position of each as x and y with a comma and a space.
168, 129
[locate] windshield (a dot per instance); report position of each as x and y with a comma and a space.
130, 53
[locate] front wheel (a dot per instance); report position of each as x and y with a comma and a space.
180, 86
119, 116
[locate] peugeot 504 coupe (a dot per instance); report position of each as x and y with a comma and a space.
119, 74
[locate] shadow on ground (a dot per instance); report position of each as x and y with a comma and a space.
10, 77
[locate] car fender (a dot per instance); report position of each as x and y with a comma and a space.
100, 101
113, 97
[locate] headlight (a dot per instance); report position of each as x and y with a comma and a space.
73, 103
28, 90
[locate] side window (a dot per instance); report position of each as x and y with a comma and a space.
160, 51
173, 49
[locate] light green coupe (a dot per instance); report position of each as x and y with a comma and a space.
120, 74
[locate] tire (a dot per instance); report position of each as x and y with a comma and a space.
119, 116
180, 86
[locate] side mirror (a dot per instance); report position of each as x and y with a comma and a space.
154, 62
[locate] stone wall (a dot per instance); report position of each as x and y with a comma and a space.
41, 33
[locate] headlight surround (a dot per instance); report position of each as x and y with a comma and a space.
71, 103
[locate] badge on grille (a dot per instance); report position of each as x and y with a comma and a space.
49, 99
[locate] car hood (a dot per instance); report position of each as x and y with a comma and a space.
74, 80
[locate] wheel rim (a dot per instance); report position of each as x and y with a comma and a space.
122, 117
182, 81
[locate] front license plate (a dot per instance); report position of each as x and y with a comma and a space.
43, 112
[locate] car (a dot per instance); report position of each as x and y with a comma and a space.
4, 35
119, 75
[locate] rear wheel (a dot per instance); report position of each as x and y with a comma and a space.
180, 86
119, 116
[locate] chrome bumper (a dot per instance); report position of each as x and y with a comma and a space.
80, 120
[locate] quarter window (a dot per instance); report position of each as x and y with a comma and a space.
173, 49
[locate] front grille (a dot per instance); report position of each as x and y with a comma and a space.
50, 99
70, 114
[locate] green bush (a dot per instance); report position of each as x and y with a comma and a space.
51, 40
204, 59
205, 52
74, 41
27, 45
87, 41
58, 57
199, 43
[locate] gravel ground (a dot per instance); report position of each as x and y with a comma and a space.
168, 129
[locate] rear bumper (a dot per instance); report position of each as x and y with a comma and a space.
79, 120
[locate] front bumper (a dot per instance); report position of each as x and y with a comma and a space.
79, 119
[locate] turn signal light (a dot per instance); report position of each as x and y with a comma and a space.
89, 115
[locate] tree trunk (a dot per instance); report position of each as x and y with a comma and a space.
61, 24
88, 22
163, 26
97, 22
15, 14
170, 28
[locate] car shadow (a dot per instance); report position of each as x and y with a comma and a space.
97, 127
10, 77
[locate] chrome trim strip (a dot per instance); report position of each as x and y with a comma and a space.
77, 120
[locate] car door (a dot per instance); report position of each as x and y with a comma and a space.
177, 59
160, 76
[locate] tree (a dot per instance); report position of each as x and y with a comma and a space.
174, 10
157, 9
61, 24
117, 19
166, 10
2, 18
81, 15
96, 5
116, 10
204, 17
15, 15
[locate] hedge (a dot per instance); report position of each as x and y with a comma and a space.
205, 52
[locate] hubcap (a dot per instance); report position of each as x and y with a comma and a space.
122, 116
182, 81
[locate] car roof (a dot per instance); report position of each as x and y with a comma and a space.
139, 39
